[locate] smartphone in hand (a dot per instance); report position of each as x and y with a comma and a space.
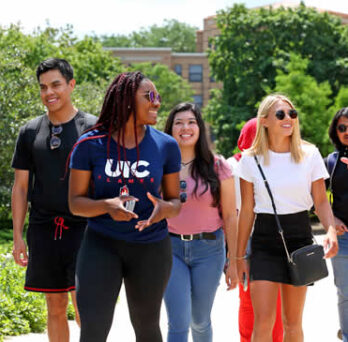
129, 205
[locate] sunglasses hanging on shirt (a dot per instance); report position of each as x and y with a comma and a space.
183, 193
55, 141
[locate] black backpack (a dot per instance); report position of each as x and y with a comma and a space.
84, 122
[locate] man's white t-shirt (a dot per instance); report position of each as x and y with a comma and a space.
290, 182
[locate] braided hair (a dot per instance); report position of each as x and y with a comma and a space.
119, 103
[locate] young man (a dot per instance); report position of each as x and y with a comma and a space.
39, 160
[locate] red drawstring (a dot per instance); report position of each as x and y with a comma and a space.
59, 221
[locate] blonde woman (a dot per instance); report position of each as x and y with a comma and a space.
295, 172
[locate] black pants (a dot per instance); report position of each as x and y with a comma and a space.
102, 265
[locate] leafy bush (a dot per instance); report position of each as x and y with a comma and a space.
21, 312
5, 231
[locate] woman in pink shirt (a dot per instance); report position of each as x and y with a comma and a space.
197, 233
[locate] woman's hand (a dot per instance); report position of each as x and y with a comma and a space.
116, 209
157, 214
231, 276
330, 243
341, 228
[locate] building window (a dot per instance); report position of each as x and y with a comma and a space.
178, 69
212, 79
195, 73
198, 100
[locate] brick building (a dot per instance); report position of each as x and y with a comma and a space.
194, 67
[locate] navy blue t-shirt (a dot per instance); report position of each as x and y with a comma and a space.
159, 155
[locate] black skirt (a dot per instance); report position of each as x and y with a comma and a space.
268, 257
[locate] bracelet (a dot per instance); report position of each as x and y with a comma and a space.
242, 257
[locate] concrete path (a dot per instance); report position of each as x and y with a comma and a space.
320, 320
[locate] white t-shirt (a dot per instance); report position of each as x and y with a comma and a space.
290, 182
232, 162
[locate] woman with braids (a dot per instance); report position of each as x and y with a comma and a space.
197, 234
127, 163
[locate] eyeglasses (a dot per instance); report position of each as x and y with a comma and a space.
183, 194
151, 96
55, 141
342, 128
280, 114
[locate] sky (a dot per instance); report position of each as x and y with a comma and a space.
106, 17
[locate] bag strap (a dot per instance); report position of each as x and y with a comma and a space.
331, 162
332, 159
280, 229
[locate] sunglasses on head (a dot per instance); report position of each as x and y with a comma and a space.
280, 114
55, 141
183, 193
151, 96
342, 128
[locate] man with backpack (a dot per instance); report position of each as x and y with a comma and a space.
41, 177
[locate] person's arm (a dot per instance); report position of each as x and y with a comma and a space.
167, 207
245, 224
80, 204
324, 212
341, 228
229, 217
19, 203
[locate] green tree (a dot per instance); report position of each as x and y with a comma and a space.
19, 92
225, 119
253, 44
173, 88
19, 101
340, 101
310, 98
179, 36
94, 69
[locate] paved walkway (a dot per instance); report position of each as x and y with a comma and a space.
320, 320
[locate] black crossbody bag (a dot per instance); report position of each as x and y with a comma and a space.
306, 264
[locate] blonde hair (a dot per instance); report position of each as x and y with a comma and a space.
260, 144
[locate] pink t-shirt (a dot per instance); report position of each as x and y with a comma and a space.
197, 214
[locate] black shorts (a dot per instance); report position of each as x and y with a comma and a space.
53, 249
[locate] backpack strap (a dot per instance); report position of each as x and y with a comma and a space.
85, 121
332, 159
331, 162
32, 131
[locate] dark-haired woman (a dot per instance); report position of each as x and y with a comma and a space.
197, 235
337, 167
127, 162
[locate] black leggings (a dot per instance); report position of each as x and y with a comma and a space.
102, 265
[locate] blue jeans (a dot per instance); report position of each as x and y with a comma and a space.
340, 268
190, 293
